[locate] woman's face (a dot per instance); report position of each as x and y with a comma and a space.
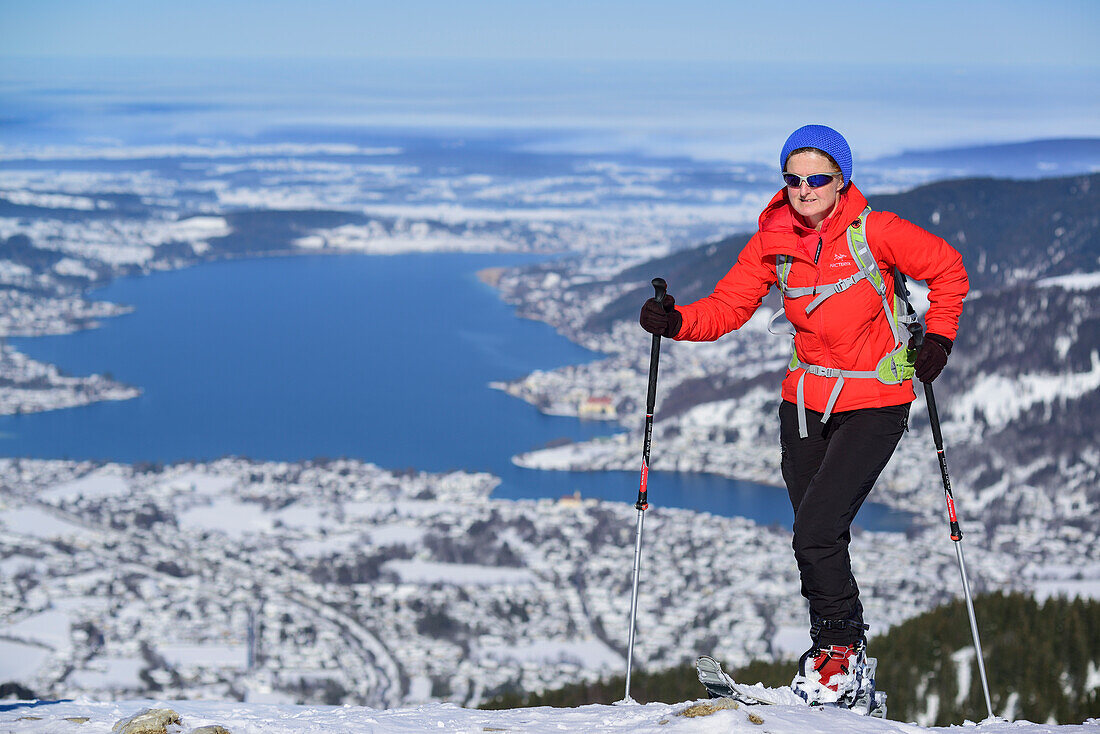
813, 205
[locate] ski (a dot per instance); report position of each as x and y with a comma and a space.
865, 700
720, 685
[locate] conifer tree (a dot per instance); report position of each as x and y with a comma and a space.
1038, 659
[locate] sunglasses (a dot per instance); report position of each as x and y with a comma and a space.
814, 180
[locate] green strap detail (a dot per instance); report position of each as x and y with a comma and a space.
897, 366
861, 252
782, 270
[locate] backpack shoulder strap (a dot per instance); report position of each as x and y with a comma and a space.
896, 305
861, 252
782, 270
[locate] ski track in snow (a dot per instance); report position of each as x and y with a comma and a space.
242, 718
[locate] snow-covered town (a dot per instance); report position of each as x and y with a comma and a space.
313, 595
276, 582
339, 581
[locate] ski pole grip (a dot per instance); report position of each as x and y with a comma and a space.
933, 416
916, 331
659, 288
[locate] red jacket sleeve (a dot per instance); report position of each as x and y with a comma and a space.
923, 256
734, 300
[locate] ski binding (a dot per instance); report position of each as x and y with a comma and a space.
863, 700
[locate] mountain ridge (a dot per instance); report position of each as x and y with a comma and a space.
1002, 217
1018, 399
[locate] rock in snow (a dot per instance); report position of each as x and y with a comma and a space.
149, 721
654, 718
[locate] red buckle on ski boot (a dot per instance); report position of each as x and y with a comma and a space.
832, 663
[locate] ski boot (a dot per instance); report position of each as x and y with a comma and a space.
841, 676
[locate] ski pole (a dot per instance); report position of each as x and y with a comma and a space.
956, 535
642, 504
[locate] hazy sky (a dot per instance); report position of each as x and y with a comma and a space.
816, 35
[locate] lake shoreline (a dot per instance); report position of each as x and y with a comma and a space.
492, 345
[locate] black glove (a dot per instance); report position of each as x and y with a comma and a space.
661, 318
932, 357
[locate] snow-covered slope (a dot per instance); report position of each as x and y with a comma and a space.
659, 718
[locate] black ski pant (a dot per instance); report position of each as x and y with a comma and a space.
828, 475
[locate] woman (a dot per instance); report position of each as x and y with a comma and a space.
846, 394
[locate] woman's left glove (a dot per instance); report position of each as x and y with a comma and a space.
661, 318
932, 357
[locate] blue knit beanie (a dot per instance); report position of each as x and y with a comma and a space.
823, 138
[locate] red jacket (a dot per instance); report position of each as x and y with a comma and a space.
849, 330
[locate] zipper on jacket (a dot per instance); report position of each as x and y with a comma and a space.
817, 268
820, 315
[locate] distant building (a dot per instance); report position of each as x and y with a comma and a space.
597, 407
571, 500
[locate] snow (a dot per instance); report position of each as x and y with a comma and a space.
400, 508
114, 253
420, 688
283, 198
328, 546
918, 296
81, 605
590, 654
791, 641
11, 272
964, 662
49, 628
218, 150
302, 517
1000, 398
105, 483
365, 239
203, 483
74, 268
200, 228
17, 563
1069, 588
396, 534
230, 516
49, 201
205, 656
431, 572
652, 718
38, 523
19, 661
111, 674
1074, 282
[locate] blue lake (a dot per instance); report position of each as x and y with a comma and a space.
386, 359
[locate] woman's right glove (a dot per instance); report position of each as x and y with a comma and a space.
661, 318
